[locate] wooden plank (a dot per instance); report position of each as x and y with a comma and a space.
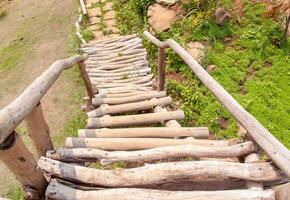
139, 119
38, 131
125, 144
157, 173
15, 112
129, 107
151, 132
182, 151
275, 149
59, 191
129, 99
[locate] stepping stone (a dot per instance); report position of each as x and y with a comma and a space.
111, 30
95, 20
110, 22
108, 6
94, 1
196, 50
110, 15
161, 17
94, 12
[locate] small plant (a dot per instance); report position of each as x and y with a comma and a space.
2, 13
88, 34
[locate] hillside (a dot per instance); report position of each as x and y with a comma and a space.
249, 55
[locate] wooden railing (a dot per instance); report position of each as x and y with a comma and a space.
13, 153
274, 149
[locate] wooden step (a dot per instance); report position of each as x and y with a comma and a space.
129, 144
181, 151
57, 190
129, 99
129, 107
139, 119
151, 132
157, 173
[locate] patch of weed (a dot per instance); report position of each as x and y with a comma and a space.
15, 193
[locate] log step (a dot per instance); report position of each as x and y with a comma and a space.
151, 132
129, 144
181, 151
129, 99
128, 120
57, 190
158, 173
129, 107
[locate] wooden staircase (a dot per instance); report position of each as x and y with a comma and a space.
133, 122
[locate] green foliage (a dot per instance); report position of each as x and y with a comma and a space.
15, 193
252, 64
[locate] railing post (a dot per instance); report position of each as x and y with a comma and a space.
18, 159
39, 131
87, 82
161, 69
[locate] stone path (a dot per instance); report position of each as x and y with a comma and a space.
102, 18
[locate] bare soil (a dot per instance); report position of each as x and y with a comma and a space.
46, 27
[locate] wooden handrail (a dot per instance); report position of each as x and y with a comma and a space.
13, 114
273, 147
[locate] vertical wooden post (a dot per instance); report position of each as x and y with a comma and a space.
161, 69
87, 82
18, 159
38, 131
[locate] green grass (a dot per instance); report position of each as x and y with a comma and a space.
252, 65
15, 193
11, 54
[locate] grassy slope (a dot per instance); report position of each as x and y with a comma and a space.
12, 54
252, 64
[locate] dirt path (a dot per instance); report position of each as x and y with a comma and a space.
33, 34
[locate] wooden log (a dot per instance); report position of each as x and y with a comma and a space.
15, 112
181, 151
129, 107
151, 132
146, 79
138, 79
83, 6
118, 95
18, 159
161, 69
124, 74
141, 119
129, 88
282, 191
118, 77
38, 131
157, 173
169, 123
275, 149
87, 82
126, 144
59, 191
253, 157
109, 40
130, 99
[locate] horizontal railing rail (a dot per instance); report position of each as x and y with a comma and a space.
27, 107
15, 112
273, 147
